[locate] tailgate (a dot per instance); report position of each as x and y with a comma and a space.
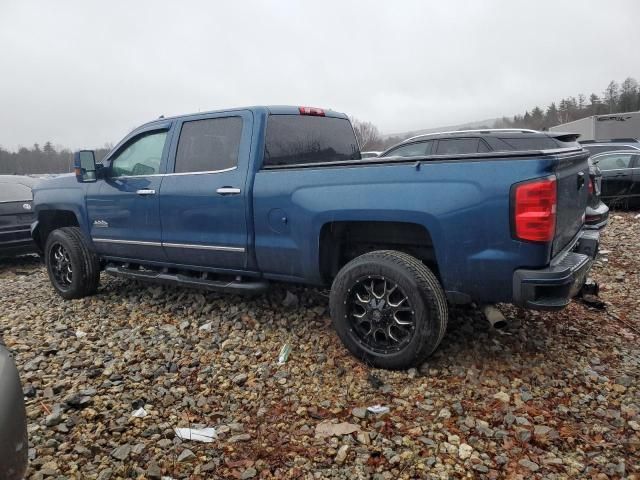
572, 173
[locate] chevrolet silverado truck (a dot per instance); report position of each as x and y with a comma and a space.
232, 200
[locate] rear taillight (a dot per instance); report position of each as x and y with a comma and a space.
534, 210
590, 186
318, 112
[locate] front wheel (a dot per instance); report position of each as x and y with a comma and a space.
388, 309
74, 270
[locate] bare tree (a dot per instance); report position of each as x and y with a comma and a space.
367, 134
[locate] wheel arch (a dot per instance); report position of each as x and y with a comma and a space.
342, 241
49, 220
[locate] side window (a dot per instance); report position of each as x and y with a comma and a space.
411, 150
614, 162
142, 157
483, 147
531, 143
209, 145
456, 146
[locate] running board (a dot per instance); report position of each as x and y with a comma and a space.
251, 287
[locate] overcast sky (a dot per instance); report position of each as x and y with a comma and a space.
82, 73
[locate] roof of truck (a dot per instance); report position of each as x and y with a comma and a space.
268, 109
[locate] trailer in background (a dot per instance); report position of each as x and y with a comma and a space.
604, 127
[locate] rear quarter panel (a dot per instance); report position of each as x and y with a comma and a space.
464, 205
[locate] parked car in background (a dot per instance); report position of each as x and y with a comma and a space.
14, 443
16, 215
465, 142
230, 200
620, 177
597, 213
370, 154
600, 146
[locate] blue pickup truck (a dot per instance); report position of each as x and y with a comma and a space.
231, 200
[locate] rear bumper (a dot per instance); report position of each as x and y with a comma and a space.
597, 218
553, 287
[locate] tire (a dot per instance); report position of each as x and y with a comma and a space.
67, 247
412, 279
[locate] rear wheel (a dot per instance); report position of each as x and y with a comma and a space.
74, 270
388, 309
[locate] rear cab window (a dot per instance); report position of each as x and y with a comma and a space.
293, 140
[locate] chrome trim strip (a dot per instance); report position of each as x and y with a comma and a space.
127, 242
177, 174
171, 245
204, 247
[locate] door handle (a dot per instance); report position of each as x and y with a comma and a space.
146, 192
228, 191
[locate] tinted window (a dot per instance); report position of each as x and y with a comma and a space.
530, 143
142, 157
209, 145
604, 148
411, 150
14, 192
457, 146
296, 139
614, 161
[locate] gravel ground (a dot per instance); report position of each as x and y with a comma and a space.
556, 395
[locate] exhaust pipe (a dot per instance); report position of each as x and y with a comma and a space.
494, 316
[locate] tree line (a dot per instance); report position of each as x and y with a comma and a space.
40, 159
616, 98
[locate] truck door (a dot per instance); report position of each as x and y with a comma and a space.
203, 198
123, 210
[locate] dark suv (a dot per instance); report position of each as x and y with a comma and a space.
504, 140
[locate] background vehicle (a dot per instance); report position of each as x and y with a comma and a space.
229, 200
371, 154
620, 177
14, 443
600, 146
16, 215
462, 142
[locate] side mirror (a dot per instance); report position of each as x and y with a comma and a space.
84, 165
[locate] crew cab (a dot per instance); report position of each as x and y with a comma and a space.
232, 200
